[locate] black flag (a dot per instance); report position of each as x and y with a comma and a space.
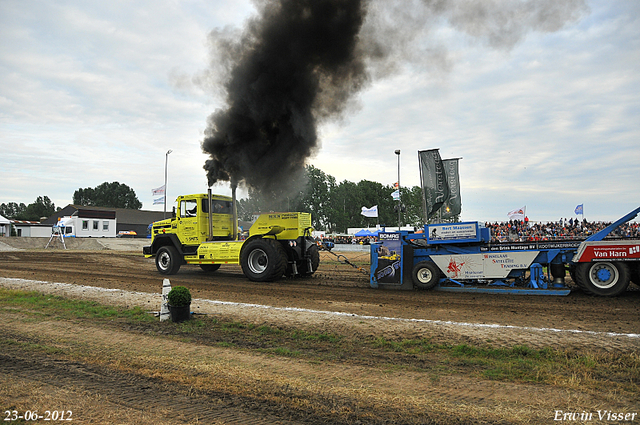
434, 181
453, 206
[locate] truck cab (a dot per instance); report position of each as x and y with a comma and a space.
190, 224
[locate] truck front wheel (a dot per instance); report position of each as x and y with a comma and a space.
425, 275
603, 278
168, 260
263, 260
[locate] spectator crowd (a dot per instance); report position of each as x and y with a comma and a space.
519, 231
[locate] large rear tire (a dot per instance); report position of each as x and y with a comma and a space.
263, 260
634, 274
425, 275
603, 278
168, 260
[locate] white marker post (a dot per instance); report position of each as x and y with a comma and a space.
164, 310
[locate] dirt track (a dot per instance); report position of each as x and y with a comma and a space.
335, 287
578, 322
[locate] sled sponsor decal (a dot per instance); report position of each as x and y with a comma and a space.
485, 265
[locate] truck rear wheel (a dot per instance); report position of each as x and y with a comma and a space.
603, 278
168, 260
263, 260
425, 275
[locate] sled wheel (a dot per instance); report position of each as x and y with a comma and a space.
209, 267
603, 278
168, 260
425, 275
263, 260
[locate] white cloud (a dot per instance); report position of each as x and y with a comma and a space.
99, 91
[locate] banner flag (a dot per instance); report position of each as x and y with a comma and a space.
580, 209
157, 191
396, 195
370, 212
453, 205
160, 200
518, 214
434, 180
395, 185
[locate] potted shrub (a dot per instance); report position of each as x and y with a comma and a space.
179, 303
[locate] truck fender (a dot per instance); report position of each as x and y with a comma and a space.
165, 240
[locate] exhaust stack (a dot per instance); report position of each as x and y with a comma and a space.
234, 185
210, 238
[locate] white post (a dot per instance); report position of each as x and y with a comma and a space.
164, 310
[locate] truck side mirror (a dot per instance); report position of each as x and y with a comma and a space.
173, 212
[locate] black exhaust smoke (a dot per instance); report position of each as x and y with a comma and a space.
302, 61
296, 64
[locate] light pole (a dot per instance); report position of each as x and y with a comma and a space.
166, 160
399, 197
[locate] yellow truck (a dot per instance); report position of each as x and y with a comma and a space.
203, 230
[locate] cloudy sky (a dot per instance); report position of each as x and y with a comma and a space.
547, 118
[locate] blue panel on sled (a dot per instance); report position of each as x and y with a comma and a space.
503, 290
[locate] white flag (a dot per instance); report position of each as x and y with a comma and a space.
158, 191
160, 200
396, 195
517, 214
370, 212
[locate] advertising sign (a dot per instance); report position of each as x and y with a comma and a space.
453, 232
484, 266
433, 179
389, 258
610, 250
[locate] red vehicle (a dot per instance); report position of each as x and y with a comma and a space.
606, 267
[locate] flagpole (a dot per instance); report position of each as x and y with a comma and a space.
399, 196
166, 160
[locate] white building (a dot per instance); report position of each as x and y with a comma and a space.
31, 229
5, 226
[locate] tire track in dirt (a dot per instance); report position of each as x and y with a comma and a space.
132, 391
379, 384
348, 322
330, 289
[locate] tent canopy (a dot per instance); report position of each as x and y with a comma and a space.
4, 220
367, 232
362, 233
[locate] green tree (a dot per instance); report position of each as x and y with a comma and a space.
12, 210
110, 195
336, 207
343, 207
260, 202
414, 210
316, 197
42, 207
